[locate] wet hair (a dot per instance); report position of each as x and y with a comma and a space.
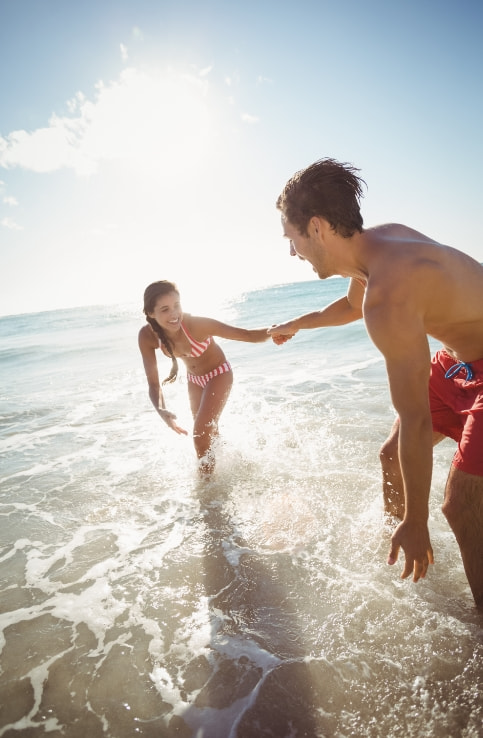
151, 295
327, 188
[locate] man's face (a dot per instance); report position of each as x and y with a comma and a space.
308, 248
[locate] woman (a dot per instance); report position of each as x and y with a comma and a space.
190, 338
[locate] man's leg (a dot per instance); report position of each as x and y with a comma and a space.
392, 481
463, 509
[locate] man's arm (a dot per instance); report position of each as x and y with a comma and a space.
399, 334
345, 310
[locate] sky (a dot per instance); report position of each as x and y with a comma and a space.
149, 139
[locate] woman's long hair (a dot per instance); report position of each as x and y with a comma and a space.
151, 295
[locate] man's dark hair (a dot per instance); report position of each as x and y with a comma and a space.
329, 189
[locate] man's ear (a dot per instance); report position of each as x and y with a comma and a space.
316, 225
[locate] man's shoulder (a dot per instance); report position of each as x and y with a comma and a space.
397, 232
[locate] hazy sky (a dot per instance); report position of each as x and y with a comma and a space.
149, 139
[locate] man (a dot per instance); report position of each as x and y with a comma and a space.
406, 287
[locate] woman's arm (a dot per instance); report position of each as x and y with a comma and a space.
148, 353
201, 328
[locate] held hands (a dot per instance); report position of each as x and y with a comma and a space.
413, 538
281, 333
169, 418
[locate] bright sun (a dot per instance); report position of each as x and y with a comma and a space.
158, 165
150, 119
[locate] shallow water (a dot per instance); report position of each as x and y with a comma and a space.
138, 599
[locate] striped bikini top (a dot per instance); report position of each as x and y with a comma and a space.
197, 347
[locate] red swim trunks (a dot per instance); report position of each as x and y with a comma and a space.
457, 408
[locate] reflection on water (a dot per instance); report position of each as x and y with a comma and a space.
235, 607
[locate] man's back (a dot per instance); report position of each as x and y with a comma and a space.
441, 284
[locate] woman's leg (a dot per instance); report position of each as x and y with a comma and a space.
207, 404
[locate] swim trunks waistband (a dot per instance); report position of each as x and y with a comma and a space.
467, 371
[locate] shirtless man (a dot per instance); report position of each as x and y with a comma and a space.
406, 286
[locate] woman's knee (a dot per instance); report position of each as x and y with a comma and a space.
203, 434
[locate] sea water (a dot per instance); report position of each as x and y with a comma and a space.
140, 600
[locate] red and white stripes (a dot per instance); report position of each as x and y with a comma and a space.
203, 379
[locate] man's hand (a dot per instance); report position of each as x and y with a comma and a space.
280, 338
169, 418
413, 538
281, 333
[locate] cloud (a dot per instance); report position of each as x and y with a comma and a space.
47, 149
250, 119
151, 117
205, 71
11, 224
124, 54
10, 200
262, 80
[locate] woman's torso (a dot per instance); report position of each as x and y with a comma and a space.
200, 353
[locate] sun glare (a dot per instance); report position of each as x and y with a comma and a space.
157, 152
149, 119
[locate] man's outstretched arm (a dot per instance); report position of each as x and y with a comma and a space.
345, 310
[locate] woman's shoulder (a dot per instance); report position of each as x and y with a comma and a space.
147, 337
196, 325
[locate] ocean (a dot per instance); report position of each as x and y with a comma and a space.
140, 600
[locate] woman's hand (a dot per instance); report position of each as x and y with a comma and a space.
281, 333
170, 418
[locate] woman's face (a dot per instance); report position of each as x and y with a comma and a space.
168, 312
